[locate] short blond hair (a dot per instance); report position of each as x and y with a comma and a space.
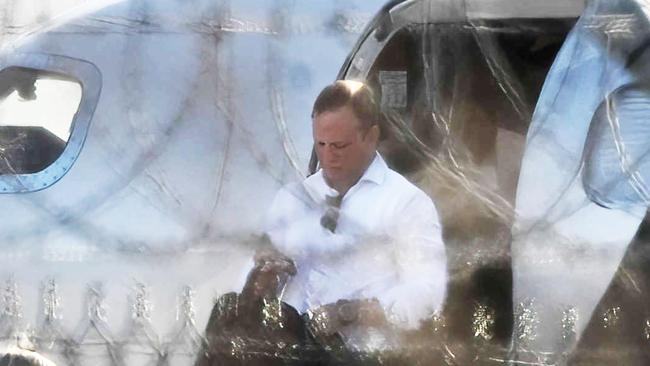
351, 93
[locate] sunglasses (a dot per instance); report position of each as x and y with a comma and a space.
331, 216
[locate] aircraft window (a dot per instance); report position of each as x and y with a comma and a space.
36, 114
46, 105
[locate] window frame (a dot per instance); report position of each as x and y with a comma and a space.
90, 79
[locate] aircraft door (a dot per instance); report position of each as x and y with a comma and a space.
581, 201
457, 95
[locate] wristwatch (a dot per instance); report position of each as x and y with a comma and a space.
347, 311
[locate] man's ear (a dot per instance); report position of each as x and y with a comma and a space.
373, 133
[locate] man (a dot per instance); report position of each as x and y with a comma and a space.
366, 243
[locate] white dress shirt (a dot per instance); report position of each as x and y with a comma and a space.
387, 245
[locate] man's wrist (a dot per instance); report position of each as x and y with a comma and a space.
331, 318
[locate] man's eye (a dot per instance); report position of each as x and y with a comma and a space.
339, 146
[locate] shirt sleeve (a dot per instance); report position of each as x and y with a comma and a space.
421, 262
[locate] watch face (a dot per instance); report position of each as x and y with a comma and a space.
348, 312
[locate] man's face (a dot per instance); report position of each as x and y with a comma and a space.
344, 149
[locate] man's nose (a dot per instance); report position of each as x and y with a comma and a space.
331, 153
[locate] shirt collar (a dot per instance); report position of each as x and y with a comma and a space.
375, 173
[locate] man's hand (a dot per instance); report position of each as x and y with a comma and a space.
270, 259
270, 274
